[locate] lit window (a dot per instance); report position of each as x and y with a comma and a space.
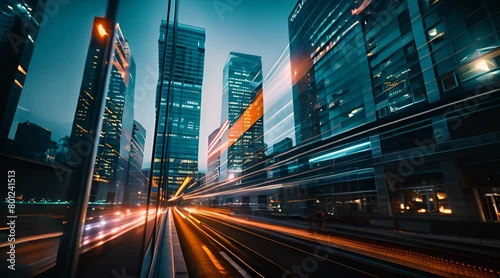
21, 69
18, 83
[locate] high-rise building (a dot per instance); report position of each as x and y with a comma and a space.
136, 180
330, 76
19, 25
393, 97
181, 96
87, 99
111, 165
242, 107
33, 141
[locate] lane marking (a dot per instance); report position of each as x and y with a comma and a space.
275, 241
235, 265
214, 260
222, 245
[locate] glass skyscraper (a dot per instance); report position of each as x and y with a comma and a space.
242, 106
330, 77
182, 88
393, 97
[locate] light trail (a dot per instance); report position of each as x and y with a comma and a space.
412, 259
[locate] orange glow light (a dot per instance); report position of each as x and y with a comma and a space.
101, 30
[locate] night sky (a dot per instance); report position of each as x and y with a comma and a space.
255, 27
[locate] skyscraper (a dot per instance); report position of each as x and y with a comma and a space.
182, 88
86, 105
242, 106
19, 25
330, 76
111, 165
136, 187
394, 96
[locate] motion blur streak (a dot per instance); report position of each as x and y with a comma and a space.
432, 264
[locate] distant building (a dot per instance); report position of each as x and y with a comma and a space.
136, 179
181, 96
33, 141
19, 25
242, 106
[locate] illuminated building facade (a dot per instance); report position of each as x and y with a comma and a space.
19, 25
182, 123
242, 106
393, 96
111, 165
87, 102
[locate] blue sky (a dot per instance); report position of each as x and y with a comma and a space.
256, 27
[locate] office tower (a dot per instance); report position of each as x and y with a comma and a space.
181, 96
111, 165
33, 141
136, 186
330, 77
19, 25
395, 96
87, 102
242, 106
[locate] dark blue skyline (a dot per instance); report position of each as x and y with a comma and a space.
50, 94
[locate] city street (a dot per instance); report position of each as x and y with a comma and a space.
259, 250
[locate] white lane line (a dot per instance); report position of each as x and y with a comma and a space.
235, 265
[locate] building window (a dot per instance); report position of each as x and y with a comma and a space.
449, 82
435, 35
480, 64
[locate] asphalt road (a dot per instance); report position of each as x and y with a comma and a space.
216, 246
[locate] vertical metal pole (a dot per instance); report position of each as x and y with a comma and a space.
162, 162
81, 180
